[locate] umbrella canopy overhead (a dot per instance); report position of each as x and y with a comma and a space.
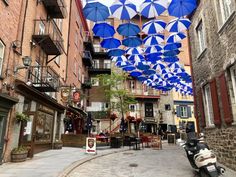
153, 40
134, 51
181, 8
154, 26
103, 30
116, 52
176, 37
178, 25
132, 41
153, 8
123, 9
128, 29
110, 43
154, 49
96, 11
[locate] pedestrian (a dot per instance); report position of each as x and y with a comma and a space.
160, 132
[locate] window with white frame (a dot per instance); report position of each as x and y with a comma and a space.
132, 85
233, 80
2, 49
107, 64
183, 111
132, 107
208, 105
41, 28
201, 37
96, 64
226, 8
95, 81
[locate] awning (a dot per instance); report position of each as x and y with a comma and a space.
77, 110
7, 101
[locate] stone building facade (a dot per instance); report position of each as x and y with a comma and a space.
213, 59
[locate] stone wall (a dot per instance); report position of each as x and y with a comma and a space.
223, 143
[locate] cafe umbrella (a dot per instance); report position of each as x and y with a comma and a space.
103, 30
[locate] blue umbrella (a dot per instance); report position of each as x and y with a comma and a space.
142, 78
154, 60
132, 41
135, 73
143, 66
171, 59
119, 58
129, 68
180, 8
149, 72
96, 11
172, 46
136, 58
103, 30
175, 37
122, 63
116, 52
110, 43
178, 25
153, 8
123, 9
171, 53
158, 66
154, 26
153, 40
154, 49
128, 29
174, 66
134, 51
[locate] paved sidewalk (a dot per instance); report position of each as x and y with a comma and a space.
51, 163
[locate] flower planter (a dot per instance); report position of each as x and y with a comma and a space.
57, 146
19, 156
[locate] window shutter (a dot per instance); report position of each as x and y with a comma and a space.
215, 102
189, 111
201, 108
225, 100
178, 111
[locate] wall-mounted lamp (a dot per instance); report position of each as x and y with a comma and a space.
26, 62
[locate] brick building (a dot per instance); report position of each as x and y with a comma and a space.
212, 38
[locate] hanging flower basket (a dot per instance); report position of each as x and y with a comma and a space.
21, 117
113, 116
138, 120
130, 118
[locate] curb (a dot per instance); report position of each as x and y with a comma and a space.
76, 164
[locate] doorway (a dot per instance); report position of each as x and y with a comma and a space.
3, 118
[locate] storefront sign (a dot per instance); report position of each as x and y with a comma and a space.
65, 92
91, 146
76, 96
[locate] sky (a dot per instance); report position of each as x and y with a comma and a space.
109, 2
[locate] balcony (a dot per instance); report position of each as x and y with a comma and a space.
44, 78
100, 68
48, 37
55, 8
87, 58
145, 94
99, 52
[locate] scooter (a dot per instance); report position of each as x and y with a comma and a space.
202, 158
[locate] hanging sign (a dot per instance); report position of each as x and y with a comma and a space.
91, 145
65, 92
76, 96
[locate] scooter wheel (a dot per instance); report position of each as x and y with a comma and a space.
203, 174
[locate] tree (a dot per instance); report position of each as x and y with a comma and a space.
116, 91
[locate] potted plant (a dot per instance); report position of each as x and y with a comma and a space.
19, 154
21, 117
57, 144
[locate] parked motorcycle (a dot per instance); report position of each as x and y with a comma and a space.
202, 158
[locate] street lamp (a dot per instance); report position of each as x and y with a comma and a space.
26, 62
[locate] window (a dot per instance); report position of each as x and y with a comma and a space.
79, 74
105, 106
107, 64
58, 59
167, 107
132, 84
183, 111
58, 23
96, 64
148, 110
208, 105
2, 49
41, 28
233, 79
95, 81
201, 38
132, 107
226, 8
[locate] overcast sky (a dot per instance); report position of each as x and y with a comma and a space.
109, 2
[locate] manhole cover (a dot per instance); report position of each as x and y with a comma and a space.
128, 153
133, 165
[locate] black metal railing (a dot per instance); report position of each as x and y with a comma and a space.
44, 78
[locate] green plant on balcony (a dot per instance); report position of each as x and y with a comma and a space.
21, 117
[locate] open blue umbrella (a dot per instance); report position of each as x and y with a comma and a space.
119, 58
103, 30
171, 59
136, 58
96, 11
178, 25
180, 8
123, 9
153, 8
110, 43
172, 46
116, 52
158, 66
171, 53
128, 29
135, 73
154, 49
132, 41
122, 63
149, 72
143, 66
174, 66
129, 68
134, 51
154, 26
153, 57
175, 37
142, 78
153, 40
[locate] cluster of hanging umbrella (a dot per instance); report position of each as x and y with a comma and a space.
153, 60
